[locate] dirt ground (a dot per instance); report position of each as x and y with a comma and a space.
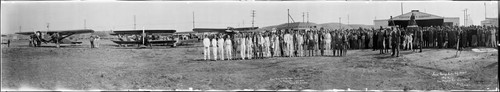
164, 68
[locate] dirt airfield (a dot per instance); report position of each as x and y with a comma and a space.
164, 68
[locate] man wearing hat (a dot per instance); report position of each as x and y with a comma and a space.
214, 46
229, 47
221, 48
276, 41
267, 45
261, 43
249, 41
328, 39
395, 41
334, 42
243, 46
287, 38
206, 45
300, 44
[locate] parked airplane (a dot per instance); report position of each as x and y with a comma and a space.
58, 36
145, 37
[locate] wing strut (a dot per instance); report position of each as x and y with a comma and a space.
143, 35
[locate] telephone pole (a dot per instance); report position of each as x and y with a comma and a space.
48, 26
84, 23
484, 10
465, 17
401, 8
193, 20
253, 17
303, 15
134, 23
340, 22
307, 17
288, 18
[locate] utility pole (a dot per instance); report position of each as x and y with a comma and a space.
307, 17
48, 26
484, 10
134, 23
465, 17
401, 8
340, 22
288, 18
19, 28
253, 17
84, 23
303, 16
193, 20
468, 18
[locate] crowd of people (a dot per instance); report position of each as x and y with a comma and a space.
336, 42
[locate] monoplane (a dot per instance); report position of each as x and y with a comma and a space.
56, 36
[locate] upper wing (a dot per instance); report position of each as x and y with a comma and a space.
210, 30
140, 31
66, 32
25, 33
221, 30
246, 28
61, 32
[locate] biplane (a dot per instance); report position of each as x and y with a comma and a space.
57, 36
145, 37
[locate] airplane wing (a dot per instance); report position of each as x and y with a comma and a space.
222, 30
61, 32
246, 28
140, 31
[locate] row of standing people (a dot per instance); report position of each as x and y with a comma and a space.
284, 43
328, 42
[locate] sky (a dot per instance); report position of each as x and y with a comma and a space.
105, 16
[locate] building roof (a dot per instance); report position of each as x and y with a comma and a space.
418, 16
